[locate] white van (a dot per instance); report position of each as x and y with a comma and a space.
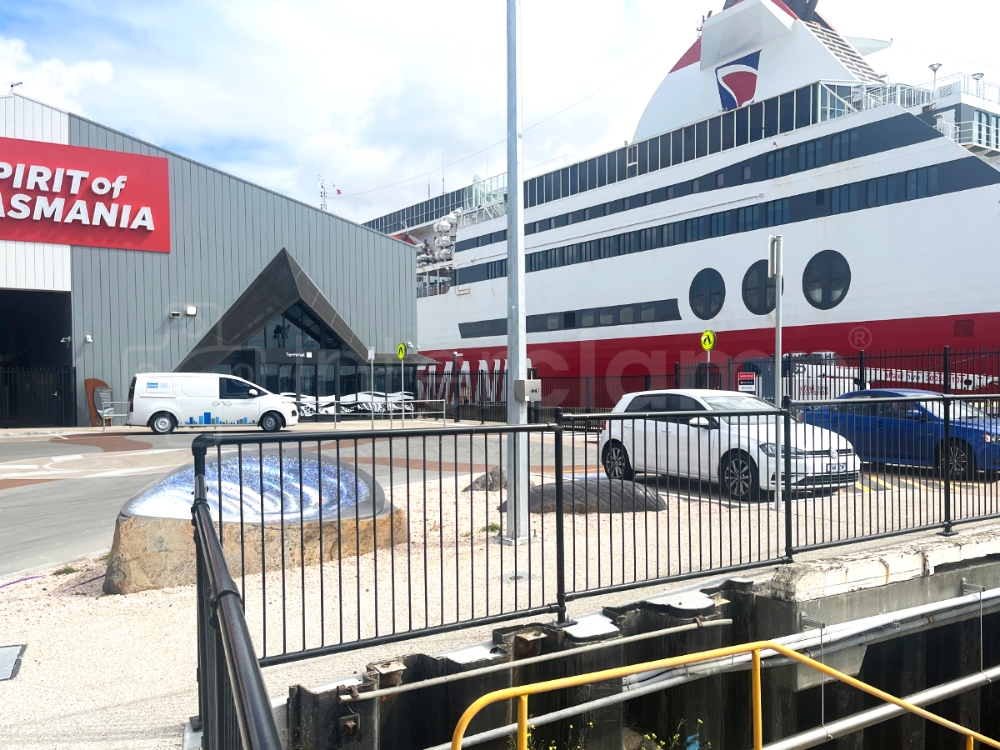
165, 400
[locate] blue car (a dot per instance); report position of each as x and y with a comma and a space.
911, 433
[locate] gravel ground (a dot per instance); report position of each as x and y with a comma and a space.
118, 671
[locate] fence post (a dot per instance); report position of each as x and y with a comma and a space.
947, 372
946, 466
454, 390
677, 374
786, 405
199, 452
862, 371
646, 385
587, 401
560, 532
482, 401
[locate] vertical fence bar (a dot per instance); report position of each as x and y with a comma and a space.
945, 461
787, 414
947, 369
758, 719
560, 533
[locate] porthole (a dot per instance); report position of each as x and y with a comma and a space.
758, 289
826, 280
708, 293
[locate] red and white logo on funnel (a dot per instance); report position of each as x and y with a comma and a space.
738, 81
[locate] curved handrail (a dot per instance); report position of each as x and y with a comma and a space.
522, 692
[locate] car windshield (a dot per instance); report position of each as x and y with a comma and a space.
737, 403
959, 410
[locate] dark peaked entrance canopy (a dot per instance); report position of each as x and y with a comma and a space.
277, 288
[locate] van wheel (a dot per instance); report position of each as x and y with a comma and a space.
270, 422
162, 423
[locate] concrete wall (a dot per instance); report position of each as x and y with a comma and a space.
224, 230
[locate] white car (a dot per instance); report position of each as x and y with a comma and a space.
731, 443
165, 400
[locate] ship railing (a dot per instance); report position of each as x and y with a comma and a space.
979, 137
963, 83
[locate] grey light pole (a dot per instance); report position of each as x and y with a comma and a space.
935, 67
517, 352
775, 270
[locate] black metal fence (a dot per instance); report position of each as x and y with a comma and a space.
235, 711
37, 397
342, 540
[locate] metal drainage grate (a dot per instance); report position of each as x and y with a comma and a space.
10, 661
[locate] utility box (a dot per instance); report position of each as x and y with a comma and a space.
526, 391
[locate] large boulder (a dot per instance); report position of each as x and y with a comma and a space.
593, 496
154, 540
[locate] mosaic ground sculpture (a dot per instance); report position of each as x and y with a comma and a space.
274, 511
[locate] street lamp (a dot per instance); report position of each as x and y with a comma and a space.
978, 77
935, 67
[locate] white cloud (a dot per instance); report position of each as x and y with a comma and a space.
51, 81
371, 93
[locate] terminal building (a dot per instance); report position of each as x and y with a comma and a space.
118, 257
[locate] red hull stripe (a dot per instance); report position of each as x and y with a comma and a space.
656, 355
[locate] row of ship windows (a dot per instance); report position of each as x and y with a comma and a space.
880, 191
825, 283
812, 155
781, 114
749, 124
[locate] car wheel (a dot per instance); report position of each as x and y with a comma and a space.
162, 423
740, 479
270, 422
616, 463
961, 462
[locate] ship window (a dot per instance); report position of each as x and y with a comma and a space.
553, 322
564, 179
574, 179
707, 294
728, 130
803, 107
742, 126
787, 118
647, 312
747, 173
531, 193
587, 319
664, 151
602, 171
612, 168
622, 165
715, 135
677, 147
756, 121
701, 138
720, 179
826, 280
654, 154
592, 174
626, 314
689, 143
771, 118
696, 186
643, 157
758, 289
548, 188
607, 316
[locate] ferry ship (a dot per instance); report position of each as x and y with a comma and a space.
886, 195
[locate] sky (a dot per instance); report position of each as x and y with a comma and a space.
385, 99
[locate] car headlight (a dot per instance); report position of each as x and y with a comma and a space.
770, 449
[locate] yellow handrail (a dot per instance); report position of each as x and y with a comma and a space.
522, 692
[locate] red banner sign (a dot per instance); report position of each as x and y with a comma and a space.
69, 195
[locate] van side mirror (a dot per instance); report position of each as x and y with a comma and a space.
254, 392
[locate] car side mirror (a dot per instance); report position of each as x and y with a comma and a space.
700, 422
254, 392
916, 414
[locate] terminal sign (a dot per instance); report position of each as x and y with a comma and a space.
67, 195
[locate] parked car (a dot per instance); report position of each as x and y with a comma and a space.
719, 438
911, 433
163, 401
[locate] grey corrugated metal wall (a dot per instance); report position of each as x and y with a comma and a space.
223, 232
